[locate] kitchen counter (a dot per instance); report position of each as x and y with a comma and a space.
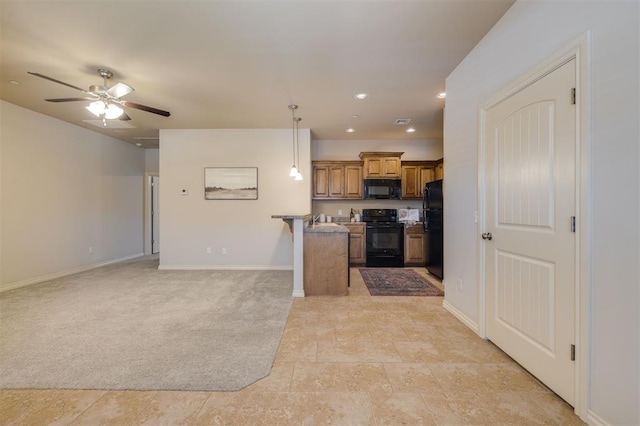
334, 227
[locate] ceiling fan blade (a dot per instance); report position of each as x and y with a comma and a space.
59, 82
119, 90
124, 117
146, 108
70, 99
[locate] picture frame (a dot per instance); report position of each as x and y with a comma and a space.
231, 183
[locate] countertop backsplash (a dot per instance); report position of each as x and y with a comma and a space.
332, 207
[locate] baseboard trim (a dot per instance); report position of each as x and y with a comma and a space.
298, 293
225, 267
66, 273
594, 420
461, 316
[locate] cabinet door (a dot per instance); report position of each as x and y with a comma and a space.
353, 181
414, 249
440, 170
320, 181
373, 168
410, 187
427, 174
356, 249
391, 167
336, 181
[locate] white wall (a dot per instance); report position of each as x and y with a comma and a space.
65, 189
530, 32
189, 224
151, 160
414, 149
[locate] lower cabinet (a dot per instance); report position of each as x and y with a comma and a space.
326, 268
414, 245
357, 243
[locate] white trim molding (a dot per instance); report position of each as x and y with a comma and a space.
65, 273
461, 316
225, 268
578, 49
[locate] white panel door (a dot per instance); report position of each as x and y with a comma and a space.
530, 201
155, 214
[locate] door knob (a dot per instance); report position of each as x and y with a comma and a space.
487, 236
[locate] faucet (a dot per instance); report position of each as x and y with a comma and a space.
315, 218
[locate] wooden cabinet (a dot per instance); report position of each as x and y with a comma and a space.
357, 243
337, 179
440, 169
326, 264
414, 245
415, 174
381, 165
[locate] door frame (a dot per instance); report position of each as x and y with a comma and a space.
578, 49
148, 235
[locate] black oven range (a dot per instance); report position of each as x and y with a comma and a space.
385, 238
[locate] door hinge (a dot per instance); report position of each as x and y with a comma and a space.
573, 352
573, 224
573, 96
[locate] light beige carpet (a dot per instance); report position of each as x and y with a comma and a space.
130, 326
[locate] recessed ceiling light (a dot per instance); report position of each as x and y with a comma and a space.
350, 130
410, 130
361, 96
355, 116
138, 144
17, 83
442, 95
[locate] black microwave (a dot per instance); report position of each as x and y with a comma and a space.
389, 189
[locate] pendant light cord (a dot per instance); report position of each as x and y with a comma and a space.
297, 125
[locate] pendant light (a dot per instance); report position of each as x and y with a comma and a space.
294, 170
297, 124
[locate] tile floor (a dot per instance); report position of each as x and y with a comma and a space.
355, 360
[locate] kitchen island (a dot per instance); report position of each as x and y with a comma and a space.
326, 259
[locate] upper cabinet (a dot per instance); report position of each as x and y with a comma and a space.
440, 169
415, 174
337, 179
382, 165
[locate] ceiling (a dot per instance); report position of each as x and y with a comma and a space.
239, 64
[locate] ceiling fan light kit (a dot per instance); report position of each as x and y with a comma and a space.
110, 111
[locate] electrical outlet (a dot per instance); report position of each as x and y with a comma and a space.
90, 250
460, 283
208, 250
224, 250
339, 212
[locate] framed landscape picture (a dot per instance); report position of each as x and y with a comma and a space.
231, 183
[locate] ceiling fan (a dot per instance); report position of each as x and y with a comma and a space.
105, 100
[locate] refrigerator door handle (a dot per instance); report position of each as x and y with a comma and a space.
425, 199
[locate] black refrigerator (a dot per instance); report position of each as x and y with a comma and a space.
432, 212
